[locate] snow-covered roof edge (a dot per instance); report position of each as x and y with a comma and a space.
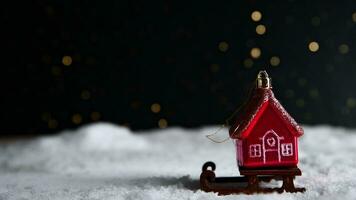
250, 109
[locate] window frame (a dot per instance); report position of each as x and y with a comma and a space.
285, 148
257, 151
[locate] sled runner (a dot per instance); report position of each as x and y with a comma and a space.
250, 180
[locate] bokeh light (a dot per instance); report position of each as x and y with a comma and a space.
260, 29
162, 123
155, 108
255, 52
248, 63
77, 119
313, 46
343, 48
95, 116
223, 46
351, 102
52, 124
275, 61
256, 16
67, 60
214, 68
85, 95
354, 17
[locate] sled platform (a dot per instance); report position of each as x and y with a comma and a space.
249, 182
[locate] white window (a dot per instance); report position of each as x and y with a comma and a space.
255, 150
287, 149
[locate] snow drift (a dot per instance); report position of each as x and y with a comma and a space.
104, 161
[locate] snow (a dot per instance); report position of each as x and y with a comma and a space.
104, 161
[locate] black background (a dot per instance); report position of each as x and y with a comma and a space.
128, 55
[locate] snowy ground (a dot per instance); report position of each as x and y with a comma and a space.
104, 161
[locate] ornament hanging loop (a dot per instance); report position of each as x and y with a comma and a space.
263, 80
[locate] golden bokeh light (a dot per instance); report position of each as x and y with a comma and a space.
315, 21
52, 124
343, 48
300, 102
155, 108
302, 82
214, 68
313, 46
95, 116
255, 52
67, 60
162, 123
351, 102
256, 16
260, 29
46, 116
56, 71
354, 17
85, 95
308, 116
77, 119
248, 63
223, 46
275, 61
314, 93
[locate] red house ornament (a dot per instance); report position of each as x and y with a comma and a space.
265, 135
266, 142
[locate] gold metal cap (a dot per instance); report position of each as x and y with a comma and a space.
263, 80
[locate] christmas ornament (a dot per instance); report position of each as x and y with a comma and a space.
266, 142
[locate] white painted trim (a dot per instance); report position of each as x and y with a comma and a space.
264, 150
284, 148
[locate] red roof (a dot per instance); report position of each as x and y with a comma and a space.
255, 105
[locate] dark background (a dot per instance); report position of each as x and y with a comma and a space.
149, 64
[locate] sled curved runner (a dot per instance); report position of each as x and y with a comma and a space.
248, 183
